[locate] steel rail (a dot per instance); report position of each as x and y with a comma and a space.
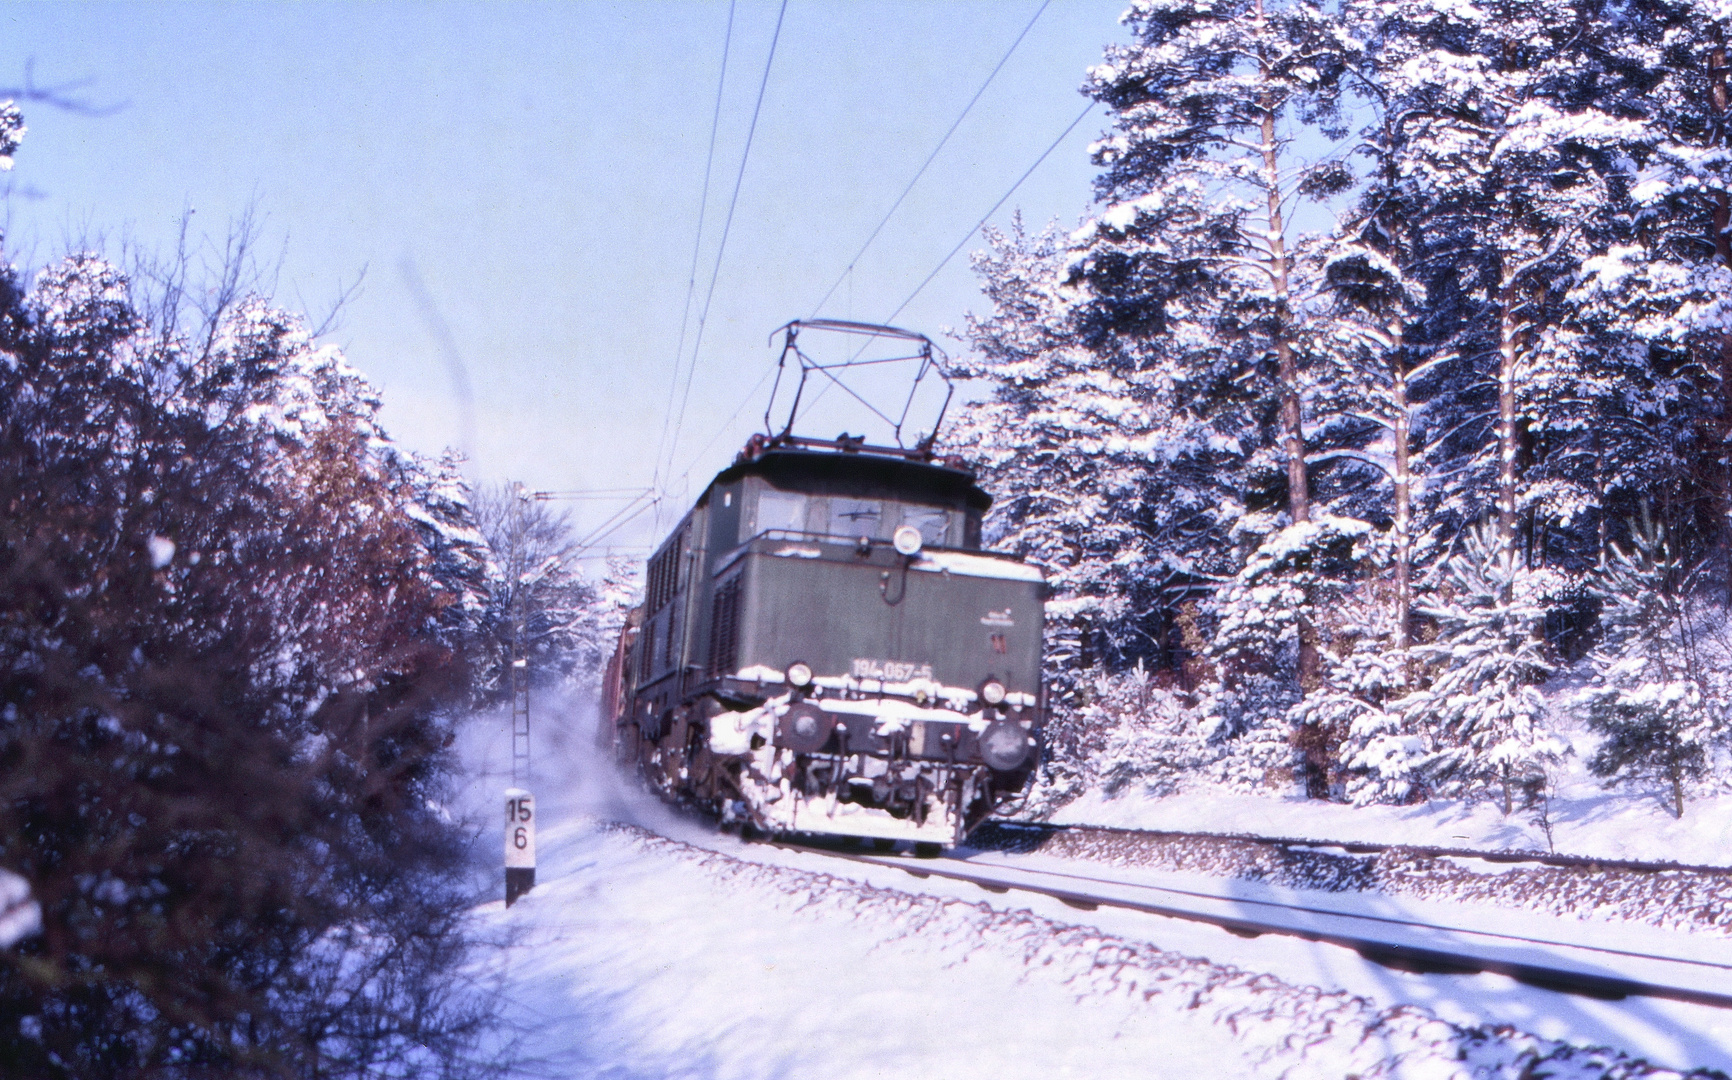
1358, 932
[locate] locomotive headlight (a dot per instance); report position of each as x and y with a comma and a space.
1003, 745
800, 674
992, 692
906, 540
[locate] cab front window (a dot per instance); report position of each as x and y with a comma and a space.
857, 518
932, 521
780, 511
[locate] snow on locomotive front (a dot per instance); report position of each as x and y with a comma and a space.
824, 648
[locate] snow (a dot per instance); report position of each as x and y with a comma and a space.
1586, 820
20, 916
161, 551
690, 954
648, 959
643, 957
984, 566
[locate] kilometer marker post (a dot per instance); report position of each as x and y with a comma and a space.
519, 844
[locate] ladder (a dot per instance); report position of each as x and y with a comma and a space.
519, 721
519, 702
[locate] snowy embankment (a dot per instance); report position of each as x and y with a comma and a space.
639, 956
1586, 821
1586, 818
642, 957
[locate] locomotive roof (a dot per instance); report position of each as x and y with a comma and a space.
859, 472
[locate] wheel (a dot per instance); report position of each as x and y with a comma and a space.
882, 843
749, 833
926, 849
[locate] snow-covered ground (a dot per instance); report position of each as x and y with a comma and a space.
657, 961
1587, 819
637, 956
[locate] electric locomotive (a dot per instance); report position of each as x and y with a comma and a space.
824, 648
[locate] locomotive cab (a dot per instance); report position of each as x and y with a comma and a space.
824, 648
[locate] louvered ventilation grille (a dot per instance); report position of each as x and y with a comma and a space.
725, 629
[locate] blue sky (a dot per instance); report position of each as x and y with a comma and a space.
537, 169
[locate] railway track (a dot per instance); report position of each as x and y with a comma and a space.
1037, 836
1565, 958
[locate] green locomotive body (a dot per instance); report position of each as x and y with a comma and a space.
824, 649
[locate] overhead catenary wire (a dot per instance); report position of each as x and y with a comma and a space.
729, 422
627, 513
590, 494
984, 218
966, 237
727, 226
1044, 154
918, 173
697, 245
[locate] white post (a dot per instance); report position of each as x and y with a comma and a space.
519, 844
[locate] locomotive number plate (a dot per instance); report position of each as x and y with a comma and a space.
891, 670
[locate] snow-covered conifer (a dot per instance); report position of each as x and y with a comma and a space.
1650, 699
1508, 135
1189, 262
1483, 712
1295, 581
1152, 739
11, 132
1096, 469
1188, 271
1670, 287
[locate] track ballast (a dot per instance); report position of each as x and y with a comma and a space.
1566, 961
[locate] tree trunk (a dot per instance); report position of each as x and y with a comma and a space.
1286, 364
1677, 775
1506, 415
1601, 533
1403, 492
1287, 368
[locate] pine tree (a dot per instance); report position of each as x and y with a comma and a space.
1668, 288
1483, 711
1188, 265
1096, 475
1096, 472
1508, 137
1650, 703
1190, 271
1503, 152
1521, 320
